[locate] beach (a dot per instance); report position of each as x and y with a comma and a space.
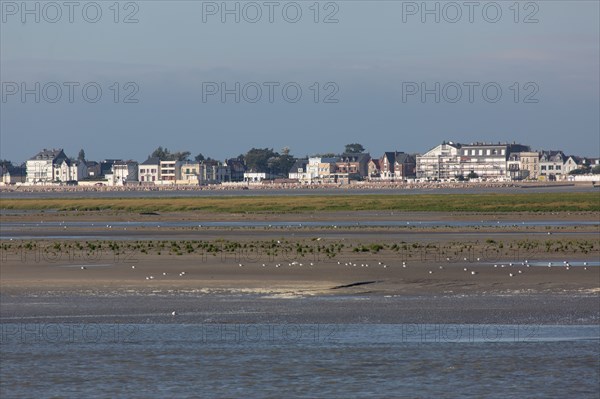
367, 302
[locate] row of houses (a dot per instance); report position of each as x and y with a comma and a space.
446, 161
53, 166
346, 167
499, 161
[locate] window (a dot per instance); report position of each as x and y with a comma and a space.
480, 152
465, 152
543, 167
472, 152
550, 167
488, 151
558, 167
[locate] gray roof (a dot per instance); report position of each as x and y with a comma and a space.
152, 161
299, 164
347, 157
53, 154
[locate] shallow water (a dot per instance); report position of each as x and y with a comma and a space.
299, 360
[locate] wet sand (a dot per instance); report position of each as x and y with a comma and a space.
429, 289
325, 292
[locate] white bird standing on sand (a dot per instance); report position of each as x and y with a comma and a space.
83, 267
133, 267
510, 274
173, 313
473, 272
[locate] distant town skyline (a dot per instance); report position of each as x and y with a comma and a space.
90, 154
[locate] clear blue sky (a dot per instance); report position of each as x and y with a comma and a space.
371, 55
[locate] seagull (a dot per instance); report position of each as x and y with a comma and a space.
182, 273
430, 272
520, 272
173, 313
510, 274
473, 272
83, 267
585, 263
164, 274
465, 269
133, 267
241, 265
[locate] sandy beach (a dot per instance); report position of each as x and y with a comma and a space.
484, 267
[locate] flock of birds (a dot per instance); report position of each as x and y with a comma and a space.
525, 263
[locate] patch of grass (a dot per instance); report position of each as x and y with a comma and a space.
530, 202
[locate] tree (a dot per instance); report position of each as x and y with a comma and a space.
160, 153
5, 163
165, 155
325, 155
180, 156
257, 159
472, 175
81, 156
199, 157
596, 170
281, 164
354, 148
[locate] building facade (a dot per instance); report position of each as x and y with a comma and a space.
440, 163
149, 171
44, 167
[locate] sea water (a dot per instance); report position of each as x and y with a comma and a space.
299, 360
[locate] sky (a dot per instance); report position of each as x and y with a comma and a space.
312, 76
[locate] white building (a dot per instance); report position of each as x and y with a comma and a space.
43, 167
69, 170
298, 170
319, 169
149, 170
440, 163
551, 165
205, 172
123, 172
170, 171
488, 161
257, 177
